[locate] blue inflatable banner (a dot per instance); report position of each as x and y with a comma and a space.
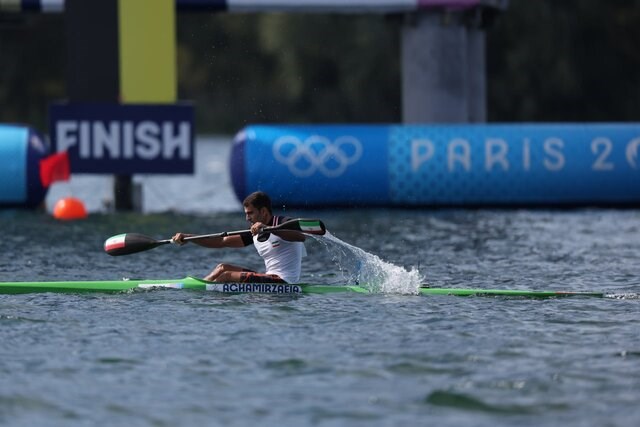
440, 165
21, 151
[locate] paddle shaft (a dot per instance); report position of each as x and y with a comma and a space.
208, 236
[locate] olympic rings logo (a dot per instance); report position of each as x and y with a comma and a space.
317, 154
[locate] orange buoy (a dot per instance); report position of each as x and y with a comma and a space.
69, 208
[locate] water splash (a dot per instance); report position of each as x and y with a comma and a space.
625, 295
368, 270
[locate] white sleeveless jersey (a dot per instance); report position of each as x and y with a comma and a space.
281, 257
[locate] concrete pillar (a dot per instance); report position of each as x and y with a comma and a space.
443, 68
477, 75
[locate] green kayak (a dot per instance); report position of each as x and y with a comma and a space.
262, 288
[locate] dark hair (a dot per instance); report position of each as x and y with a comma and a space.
258, 200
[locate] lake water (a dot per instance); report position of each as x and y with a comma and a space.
389, 358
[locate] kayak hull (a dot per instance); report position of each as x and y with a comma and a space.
194, 283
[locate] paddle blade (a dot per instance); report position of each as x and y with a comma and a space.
130, 243
308, 226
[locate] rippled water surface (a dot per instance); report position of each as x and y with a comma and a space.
389, 358
166, 358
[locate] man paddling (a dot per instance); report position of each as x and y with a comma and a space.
282, 251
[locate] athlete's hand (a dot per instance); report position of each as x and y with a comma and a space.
256, 228
178, 239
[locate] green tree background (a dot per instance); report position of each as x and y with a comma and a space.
570, 60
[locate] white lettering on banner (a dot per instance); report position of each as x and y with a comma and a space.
496, 154
63, 129
421, 151
526, 154
127, 140
147, 133
492, 156
115, 140
464, 158
553, 147
602, 148
85, 147
173, 141
103, 138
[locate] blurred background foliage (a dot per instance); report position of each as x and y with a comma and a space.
574, 60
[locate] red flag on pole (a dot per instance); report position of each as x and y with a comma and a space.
54, 168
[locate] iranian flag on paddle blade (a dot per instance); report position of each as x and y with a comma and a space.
115, 242
311, 226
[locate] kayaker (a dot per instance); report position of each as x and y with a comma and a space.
282, 252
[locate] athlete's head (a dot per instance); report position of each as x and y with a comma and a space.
257, 207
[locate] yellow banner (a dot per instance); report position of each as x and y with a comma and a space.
147, 42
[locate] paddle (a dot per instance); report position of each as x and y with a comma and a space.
130, 243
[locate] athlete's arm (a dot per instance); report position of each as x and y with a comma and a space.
212, 242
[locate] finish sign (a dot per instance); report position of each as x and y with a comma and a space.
124, 139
